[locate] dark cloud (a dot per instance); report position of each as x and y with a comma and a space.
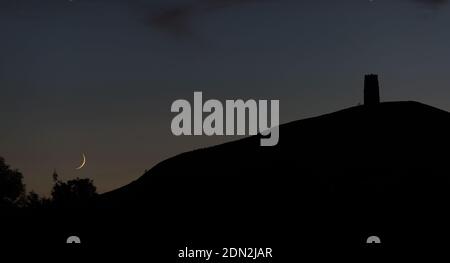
432, 3
177, 19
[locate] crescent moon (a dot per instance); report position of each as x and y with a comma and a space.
82, 163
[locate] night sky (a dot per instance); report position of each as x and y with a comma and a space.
99, 77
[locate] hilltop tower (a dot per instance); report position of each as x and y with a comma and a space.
371, 90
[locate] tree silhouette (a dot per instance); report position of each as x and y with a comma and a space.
11, 185
34, 201
73, 193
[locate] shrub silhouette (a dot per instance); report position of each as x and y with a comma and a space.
73, 193
34, 201
11, 185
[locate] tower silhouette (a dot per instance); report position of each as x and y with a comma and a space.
371, 90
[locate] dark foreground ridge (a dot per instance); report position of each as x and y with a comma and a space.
378, 168
389, 150
332, 180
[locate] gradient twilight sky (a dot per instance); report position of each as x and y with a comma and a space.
98, 77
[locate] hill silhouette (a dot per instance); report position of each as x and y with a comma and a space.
392, 149
379, 169
332, 181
